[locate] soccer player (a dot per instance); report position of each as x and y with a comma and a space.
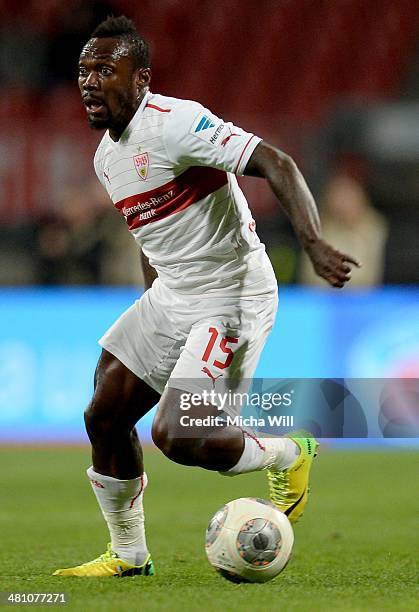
169, 166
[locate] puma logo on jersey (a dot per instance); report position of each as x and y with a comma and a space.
107, 177
228, 138
208, 372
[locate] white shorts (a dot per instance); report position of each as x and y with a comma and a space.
188, 343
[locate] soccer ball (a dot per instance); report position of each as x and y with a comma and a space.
249, 540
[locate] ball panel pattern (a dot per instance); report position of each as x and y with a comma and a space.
259, 542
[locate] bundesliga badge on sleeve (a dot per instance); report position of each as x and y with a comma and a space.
141, 162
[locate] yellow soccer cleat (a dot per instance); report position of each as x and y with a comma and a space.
289, 488
108, 564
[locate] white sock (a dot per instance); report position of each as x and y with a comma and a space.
121, 502
265, 453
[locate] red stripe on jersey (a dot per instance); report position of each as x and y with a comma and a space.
194, 184
240, 158
162, 110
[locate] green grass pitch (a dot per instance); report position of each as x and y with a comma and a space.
356, 548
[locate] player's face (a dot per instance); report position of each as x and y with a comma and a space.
108, 83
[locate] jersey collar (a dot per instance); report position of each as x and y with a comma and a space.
134, 121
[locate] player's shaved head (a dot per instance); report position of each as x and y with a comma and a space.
131, 43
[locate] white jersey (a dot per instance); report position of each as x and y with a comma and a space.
171, 175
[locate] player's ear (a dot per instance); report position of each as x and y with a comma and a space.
143, 77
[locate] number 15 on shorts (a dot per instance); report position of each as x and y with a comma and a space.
218, 342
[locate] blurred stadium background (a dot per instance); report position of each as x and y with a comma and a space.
335, 84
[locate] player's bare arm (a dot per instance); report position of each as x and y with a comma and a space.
149, 273
289, 186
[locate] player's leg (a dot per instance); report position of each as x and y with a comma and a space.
223, 448
229, 449
117, 476
220, 353
211, 447
232, 451
120, 399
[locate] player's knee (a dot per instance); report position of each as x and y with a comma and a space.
160, 434
102, 424
96, 425
178, 449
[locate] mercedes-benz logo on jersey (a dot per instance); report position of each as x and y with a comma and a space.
142, 162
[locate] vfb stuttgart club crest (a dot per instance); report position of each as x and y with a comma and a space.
142, 162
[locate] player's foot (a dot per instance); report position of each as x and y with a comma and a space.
108, 564
288, 488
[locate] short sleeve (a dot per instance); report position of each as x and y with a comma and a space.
194, 136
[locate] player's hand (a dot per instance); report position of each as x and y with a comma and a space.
331, 264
